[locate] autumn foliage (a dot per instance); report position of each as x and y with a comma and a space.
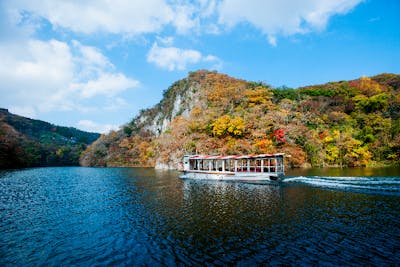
27, 142
347, 123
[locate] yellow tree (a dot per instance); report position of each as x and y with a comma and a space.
226, 125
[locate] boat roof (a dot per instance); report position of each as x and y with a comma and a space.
236, 156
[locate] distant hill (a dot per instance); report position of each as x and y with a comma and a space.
31, 143
345, 123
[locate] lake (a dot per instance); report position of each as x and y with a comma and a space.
140, 216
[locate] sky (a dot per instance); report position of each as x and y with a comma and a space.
95, 64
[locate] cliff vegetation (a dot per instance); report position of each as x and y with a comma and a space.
32, 143
345, 123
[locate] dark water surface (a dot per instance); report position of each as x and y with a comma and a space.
114, 216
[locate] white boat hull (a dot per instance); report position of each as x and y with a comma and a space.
229, 176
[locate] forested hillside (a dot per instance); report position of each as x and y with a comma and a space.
30, 143
345, 123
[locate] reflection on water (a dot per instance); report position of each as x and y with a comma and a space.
114, 216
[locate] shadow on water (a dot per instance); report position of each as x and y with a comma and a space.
139, 216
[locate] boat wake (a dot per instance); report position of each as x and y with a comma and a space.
380, 185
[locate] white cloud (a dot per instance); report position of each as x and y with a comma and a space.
207, 8
165, 40
172, 58
285, 17
90, 57
271, 40
122, 16
43, 76
217, 63
91, 126
108, 84
32, 72
273, 18
185, 19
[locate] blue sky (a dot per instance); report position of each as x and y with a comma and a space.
94, 64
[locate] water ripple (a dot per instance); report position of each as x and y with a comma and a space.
385, 185
125, 217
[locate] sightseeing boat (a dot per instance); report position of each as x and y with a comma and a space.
246, 167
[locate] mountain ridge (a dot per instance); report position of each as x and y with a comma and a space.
345, 123
26, 142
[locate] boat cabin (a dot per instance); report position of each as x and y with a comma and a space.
235, 165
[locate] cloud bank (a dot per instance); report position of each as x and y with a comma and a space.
121, 16
44, 68
285, 17
272, 18
43, 76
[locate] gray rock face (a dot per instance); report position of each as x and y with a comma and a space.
180, 104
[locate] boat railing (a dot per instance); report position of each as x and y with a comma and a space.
266, 169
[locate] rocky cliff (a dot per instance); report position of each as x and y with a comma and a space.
346, 123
